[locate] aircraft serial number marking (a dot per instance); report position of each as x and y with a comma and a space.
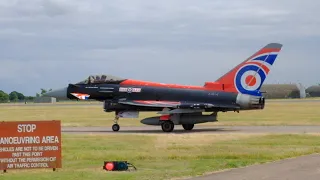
129, 90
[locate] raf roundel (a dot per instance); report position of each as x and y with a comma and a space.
249, 79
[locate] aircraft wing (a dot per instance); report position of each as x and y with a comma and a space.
176, 107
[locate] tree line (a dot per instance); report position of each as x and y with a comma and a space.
15, 96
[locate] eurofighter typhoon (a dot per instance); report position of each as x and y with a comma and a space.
237, 90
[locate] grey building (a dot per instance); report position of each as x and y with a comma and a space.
280, 91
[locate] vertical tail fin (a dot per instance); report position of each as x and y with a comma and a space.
248, 77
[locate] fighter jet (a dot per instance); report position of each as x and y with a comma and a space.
237, 90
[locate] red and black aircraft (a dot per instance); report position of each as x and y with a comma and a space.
237, 90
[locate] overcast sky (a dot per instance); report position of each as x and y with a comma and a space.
50, 43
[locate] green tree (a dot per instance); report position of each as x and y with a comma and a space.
29, 98
13, 96
4, 97
20, 96
43, 91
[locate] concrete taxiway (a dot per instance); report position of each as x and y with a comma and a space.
197, 129
304, 167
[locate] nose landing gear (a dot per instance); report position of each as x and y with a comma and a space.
116, 126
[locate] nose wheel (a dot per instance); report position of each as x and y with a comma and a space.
116, 126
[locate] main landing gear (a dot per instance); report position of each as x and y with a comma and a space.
167, 126
188, 127
116, 126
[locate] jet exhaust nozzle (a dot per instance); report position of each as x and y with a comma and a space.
250, 102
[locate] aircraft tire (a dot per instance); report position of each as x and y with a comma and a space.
167, 126
188, 127
115, 127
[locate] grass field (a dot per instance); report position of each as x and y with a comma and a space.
167, 156
275, 113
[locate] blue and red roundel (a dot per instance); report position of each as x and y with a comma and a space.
251, 75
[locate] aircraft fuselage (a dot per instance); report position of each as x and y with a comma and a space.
189, 98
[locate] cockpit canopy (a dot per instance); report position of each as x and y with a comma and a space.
98, 79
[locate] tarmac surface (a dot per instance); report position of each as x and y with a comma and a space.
197, 129
301, 168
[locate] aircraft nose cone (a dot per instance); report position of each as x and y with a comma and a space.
58, 93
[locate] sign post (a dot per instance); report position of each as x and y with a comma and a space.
30, 145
